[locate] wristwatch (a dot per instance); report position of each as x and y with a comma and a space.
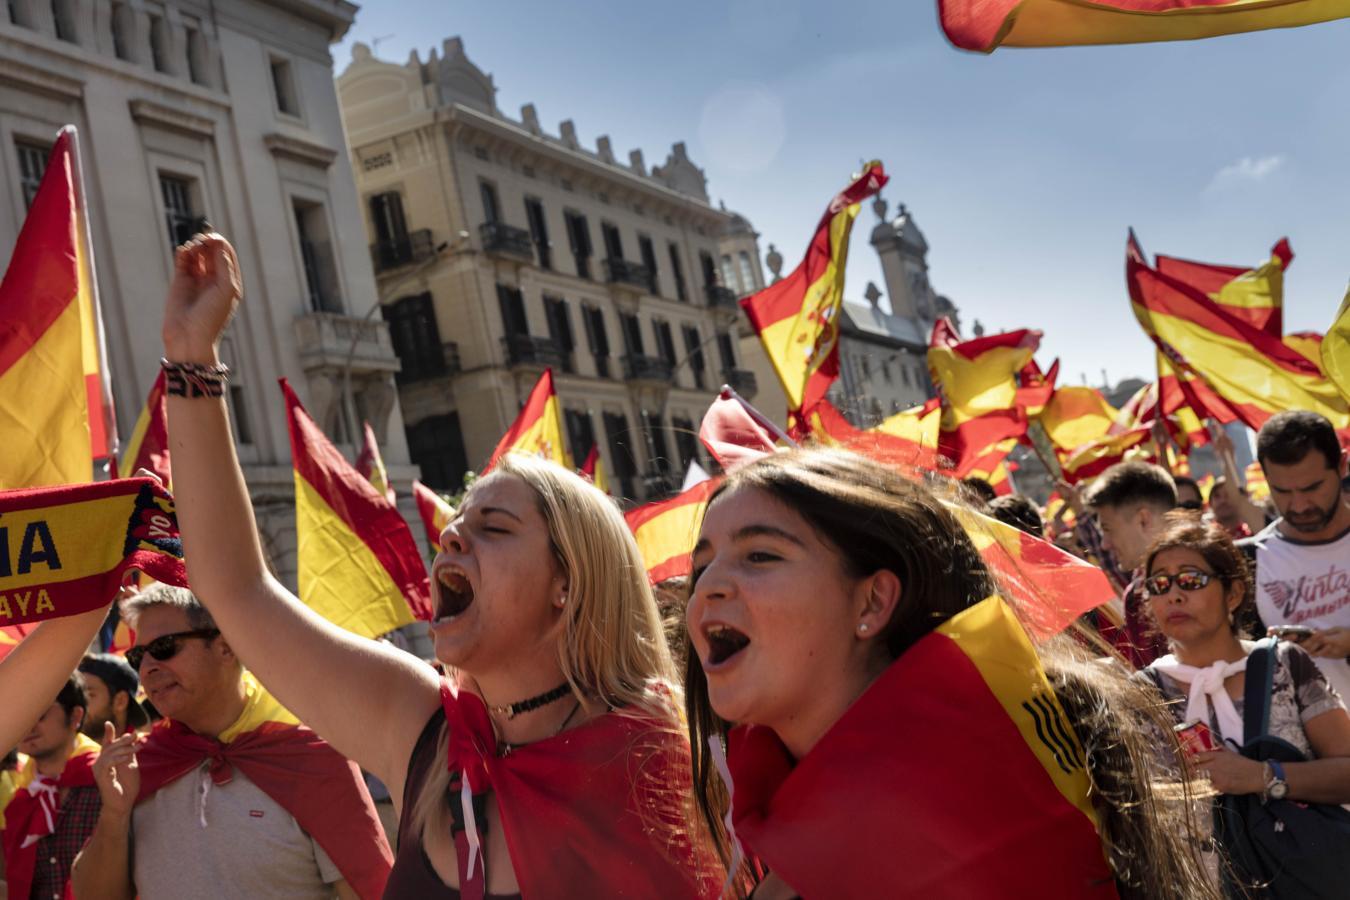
1276, 787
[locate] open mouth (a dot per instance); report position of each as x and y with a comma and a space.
724, 642
454, 594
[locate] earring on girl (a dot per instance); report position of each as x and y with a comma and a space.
862, 628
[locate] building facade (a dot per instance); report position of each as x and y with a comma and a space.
219, 111
501, 249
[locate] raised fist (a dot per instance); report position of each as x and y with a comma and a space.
203, 295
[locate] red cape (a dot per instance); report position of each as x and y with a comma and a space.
23, 816
299, 770
595, 811
923, 788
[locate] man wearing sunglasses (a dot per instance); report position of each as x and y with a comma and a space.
1303, 558
230, 790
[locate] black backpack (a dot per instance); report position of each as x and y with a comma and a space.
1280, 848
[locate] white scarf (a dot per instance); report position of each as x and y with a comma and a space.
1207, 692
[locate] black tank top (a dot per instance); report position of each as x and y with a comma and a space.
413, 877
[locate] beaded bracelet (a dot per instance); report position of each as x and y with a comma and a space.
194, 379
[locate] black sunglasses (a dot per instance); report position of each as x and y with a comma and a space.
1188, 581
166, 646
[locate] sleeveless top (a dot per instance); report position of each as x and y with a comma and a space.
413, 877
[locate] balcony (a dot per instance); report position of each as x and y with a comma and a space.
722, 298
627, 274
742, 381
528, 350
337, 341
413, 247
501, 239
647, 368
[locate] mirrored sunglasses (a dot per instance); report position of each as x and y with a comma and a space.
1157, 585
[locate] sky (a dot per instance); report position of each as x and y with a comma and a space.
1023, 168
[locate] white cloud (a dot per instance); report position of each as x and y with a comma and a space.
1248, 170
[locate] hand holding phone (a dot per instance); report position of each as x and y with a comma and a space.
1296, 633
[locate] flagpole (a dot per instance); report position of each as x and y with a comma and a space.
760, 418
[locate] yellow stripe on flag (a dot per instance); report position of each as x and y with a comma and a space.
340, 578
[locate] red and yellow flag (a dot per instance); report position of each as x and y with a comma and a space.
1255, 373
55, 397
148, 447
359, 567
370, 465
593, 469
983, 25
1334, 352
667, 530
797, 318
434, 511
908, 438
66, 550
538, 430
1092, 459
1258, 491
1076, 416
10, 635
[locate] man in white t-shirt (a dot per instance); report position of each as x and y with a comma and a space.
1303, 558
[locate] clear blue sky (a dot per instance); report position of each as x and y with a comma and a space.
1023, 168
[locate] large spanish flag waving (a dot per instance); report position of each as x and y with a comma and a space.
797, 318
538, 430
1334, 352
1255, 372
55, 397
359, 566
148, 446
666, 531
983, 25
920, 737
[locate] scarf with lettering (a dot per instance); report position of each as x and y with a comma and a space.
33, 811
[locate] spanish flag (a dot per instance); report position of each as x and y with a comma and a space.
1086, 462
538, 430
1255, 296
1334, 353
983, 25
434, 511
55, 398
1256, 373
908, 438
920, 424
991, 465
370, 465
1076, 416
977, 381
10, 635
1258, 491
797, 318
148, 447
910, 762
593, 469
667, 530
359, 567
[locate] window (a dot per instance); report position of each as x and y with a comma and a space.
632, 334
648, 259
579, 236
18, 14
123, 26
665, 344
436, 444
159, 43
693, 349
597, 338
534, 215
32, 163
580, 433
392, 247
657, 431
179, 210
283, 87
686, 441
560, 328
196, 55
728, 273
316, 255
64, 20
726, 351
613, 243
512, 303
620, 451
680, 293
708, 266
416, 338
237, 402
487, 191
747, 272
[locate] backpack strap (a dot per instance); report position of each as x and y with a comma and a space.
1256, 690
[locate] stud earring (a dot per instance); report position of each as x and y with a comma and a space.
562, 601
862, 628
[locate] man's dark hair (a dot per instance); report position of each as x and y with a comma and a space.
72, 694
1125, 484
980, 489
1288, 437
1019, 512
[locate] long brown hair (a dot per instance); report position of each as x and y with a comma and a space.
876, 518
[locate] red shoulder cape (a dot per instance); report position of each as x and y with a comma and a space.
24, 816
923, 788
299, 770
596, 811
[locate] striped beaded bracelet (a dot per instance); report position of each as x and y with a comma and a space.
194, 379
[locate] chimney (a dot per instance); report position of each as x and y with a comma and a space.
568, 130
529, 117
604, 148
636, 162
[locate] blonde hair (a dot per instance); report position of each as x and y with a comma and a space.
613, 649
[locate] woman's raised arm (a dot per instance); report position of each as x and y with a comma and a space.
368, 700
32, 674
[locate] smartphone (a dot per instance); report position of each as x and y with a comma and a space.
1295, 633
1195, 737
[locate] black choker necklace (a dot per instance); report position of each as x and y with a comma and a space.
533, 703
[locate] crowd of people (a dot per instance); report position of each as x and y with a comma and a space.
846, 707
